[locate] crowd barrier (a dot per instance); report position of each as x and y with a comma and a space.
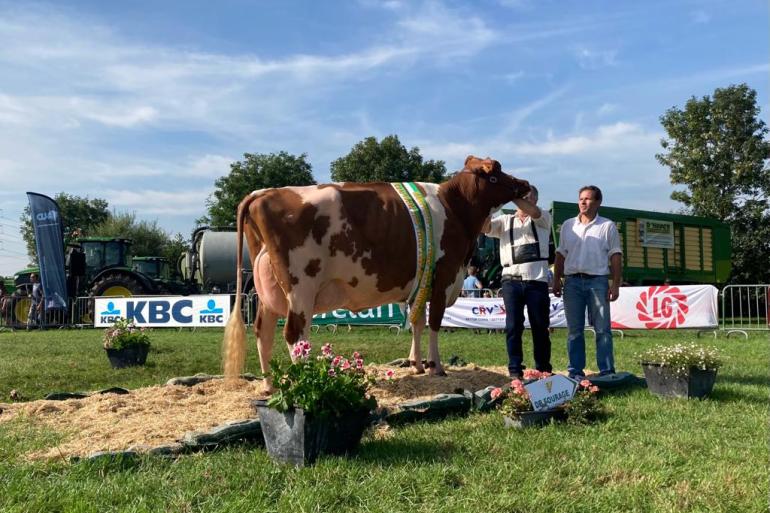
745, 308
740, 309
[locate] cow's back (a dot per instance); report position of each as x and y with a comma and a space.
351, 245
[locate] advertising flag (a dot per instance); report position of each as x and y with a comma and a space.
49, 241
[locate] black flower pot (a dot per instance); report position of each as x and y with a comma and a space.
296, 438
664, 381
128, 356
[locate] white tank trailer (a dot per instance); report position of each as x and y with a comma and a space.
210, 264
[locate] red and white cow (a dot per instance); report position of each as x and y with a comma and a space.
353, 246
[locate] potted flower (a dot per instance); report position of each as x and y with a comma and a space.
682, 370
126, 344
518, 411
321, 405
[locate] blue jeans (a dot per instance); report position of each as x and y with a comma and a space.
533, 295
581, 293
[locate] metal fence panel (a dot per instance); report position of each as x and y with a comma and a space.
745, 308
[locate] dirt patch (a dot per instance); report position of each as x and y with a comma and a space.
160, 415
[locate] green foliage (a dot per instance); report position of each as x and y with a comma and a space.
256, 171
124, 334
585, 407
328, 385
386, 161
716, 148
77, 213
682, 357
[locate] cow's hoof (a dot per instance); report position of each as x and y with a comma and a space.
435, 370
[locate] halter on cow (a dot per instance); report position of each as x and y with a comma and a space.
354, 246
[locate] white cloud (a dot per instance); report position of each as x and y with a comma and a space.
595, 59
212, 166
158, 202
604, 138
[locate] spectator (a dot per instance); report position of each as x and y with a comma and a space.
589, 248
471, 284
36, 302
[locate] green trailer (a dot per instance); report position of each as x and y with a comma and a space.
659, 247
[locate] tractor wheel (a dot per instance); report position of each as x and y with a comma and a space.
20, 311
117, 284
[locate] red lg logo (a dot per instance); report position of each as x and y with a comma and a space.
662, 307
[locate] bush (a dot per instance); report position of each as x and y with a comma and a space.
682, 357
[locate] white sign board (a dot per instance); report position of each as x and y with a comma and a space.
550, 392
164, 311
656, 234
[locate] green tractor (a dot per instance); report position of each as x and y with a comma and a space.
94, 266
158, 269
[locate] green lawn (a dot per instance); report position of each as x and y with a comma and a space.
650, 455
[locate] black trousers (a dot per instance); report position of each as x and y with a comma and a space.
533, 295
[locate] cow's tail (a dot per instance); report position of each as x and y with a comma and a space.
234, 343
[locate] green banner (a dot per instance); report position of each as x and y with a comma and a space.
386, 314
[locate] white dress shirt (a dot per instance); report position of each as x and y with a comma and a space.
587, 248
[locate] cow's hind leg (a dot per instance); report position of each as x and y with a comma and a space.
264, 329
415, 355
298, 318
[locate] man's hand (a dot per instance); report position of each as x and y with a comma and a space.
556, 287
613, 292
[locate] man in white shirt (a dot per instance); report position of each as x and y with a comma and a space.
524, 240
589, 249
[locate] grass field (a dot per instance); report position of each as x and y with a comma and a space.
651, 454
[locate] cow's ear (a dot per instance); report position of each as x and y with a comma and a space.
491, 166
468, 160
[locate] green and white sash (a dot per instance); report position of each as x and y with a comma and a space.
422, 221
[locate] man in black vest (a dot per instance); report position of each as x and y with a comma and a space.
524, 240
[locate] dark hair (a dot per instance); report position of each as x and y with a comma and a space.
597, 191
534, 190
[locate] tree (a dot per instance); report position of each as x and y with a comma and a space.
386, 161
77, 213
716, 148
256, 171
148, 239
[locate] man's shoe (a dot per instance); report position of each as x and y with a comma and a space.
516, 375
577, 377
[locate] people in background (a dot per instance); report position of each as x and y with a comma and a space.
36, 302
589, 250
524, 240
471, 285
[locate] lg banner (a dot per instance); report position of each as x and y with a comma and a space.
666, 307
164, 312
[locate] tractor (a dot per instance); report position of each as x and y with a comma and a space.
94, 266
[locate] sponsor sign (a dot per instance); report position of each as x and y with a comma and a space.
49, 242
164, 311
656, 234
666, 307
548, 393
389, 314
489, 313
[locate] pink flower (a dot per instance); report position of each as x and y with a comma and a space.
516, 383
336, 361
585, 383
546, 374
359, 363
345, 364
594, 389
389, 374
496, 392
332, 372
356, 355
326, 350
301, 349
532, 374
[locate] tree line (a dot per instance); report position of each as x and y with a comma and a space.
716, 148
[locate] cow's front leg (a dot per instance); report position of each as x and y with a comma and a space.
434, 360
415, 355
298, 318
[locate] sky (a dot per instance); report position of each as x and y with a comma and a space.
145, 103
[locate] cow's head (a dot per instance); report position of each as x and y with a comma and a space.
493, 186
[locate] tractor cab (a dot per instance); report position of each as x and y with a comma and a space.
157, 268
100, 253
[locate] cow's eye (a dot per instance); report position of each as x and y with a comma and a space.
492, 179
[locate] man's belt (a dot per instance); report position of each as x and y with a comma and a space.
585, 275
